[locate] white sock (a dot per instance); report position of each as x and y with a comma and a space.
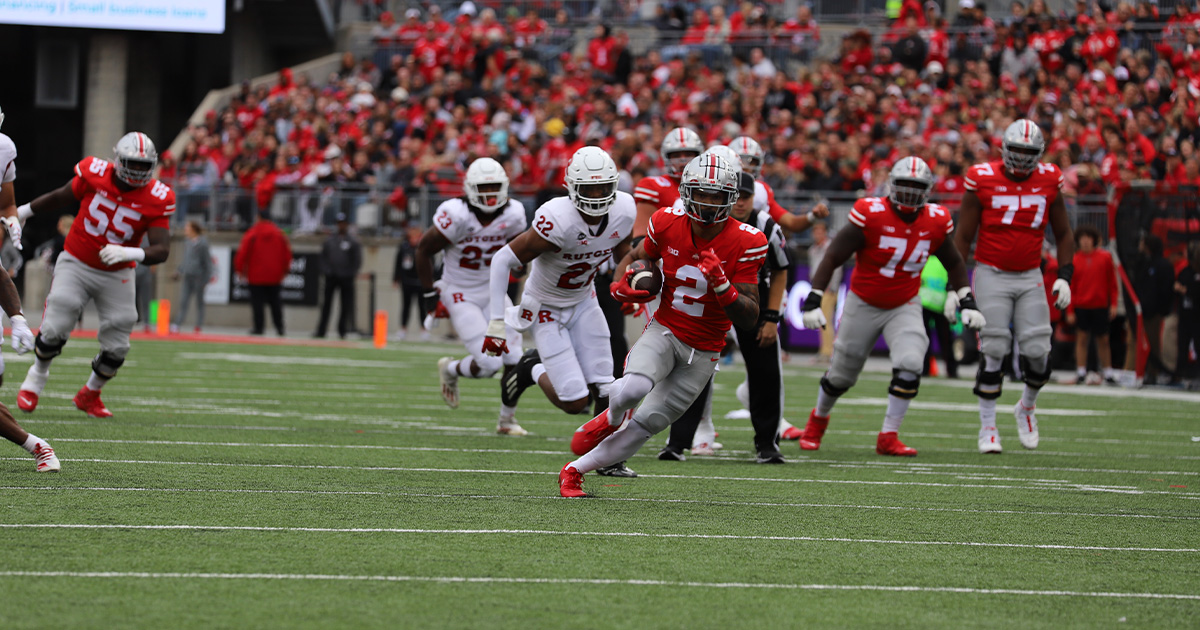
452, 367
41, 365
617, 447
825, 402
1029, 397
95, 381
706, 433
32, 442
1081, 371
537, 371
1108, 372
896, 409
987, 413
506, 412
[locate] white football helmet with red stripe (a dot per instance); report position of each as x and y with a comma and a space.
909, 184
751, 154
1022, 146
678, 148
730, 156
715, 177
135, 159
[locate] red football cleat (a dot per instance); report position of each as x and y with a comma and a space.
89, 401
27, 401
570, 482
890, 444
592, 433
813, 431
792, 433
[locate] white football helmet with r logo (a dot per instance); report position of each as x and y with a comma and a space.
486, 172
592, 181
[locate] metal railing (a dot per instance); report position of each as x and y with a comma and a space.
372, 211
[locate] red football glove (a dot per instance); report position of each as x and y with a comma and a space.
633, 309
622, 292
495, 341
440, 312
718, 284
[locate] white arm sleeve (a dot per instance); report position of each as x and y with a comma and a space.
502, 263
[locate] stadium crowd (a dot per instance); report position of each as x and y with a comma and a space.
1115, 86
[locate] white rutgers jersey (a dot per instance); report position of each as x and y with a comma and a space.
8, 159
564, 277
468, 259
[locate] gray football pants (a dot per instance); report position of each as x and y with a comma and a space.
1013, 302
679, 372
861, 324
74, 284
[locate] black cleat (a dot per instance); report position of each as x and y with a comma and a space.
668, 454
770, 457
618, 469
517, 379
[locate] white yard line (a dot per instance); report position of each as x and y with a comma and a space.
584, 534
1058, 488
914, 467
548, 497
585, 581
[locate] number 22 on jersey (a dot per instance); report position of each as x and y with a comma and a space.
109, 220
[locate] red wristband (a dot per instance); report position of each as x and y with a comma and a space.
728, 297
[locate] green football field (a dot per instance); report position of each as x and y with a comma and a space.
259, 486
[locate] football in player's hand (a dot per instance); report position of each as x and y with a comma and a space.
645, 276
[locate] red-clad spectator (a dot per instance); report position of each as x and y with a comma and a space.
263, 259
1093, 300
412, 29
601, 51
384, 33
1101, 44
437, 25
529, 29
430, 54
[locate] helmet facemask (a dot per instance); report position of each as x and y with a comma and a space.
908, 195
136, 172
594, 198
488, 197
707, 205
677, 160
1020, 160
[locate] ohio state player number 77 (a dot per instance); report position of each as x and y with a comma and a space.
1012, 203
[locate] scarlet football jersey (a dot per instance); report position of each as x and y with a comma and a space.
109, 215
888, 271
1012, 221
687, 307
660, 190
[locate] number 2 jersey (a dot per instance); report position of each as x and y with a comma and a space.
687, 307
467, 260
888, 269
1013, 215
564, 277
110, 215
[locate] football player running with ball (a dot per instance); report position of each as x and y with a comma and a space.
470, 230
119, 202
1009, 203
571, 237
710, 266
893, 237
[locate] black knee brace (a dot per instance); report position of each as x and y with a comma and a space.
45, 350
106, 364
830, 389
1033, 378
903, 387
987, 384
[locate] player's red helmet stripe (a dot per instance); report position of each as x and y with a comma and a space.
141, 145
